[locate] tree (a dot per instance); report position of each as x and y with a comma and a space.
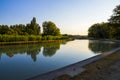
35, 27
18, 29
105, 30
115, 23
49, 28
115, 18
109, 30
28, 29
99, 30
4, 29
114, 31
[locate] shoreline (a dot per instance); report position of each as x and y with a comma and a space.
106, 68
72, 70
30, 42
47, 41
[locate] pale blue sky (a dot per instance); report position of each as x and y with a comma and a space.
71, 16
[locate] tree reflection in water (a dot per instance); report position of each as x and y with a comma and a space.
100, 46
12, 50
49, 49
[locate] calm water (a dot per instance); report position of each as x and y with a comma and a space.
19, 62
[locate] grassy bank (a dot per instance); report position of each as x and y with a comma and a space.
97, 70
21, 39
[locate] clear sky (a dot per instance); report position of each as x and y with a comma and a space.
71, 16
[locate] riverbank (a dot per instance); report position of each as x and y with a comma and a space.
31, 42
30, 39
107, 68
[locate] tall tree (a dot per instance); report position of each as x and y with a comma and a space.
34, 26
49, 28
115, 18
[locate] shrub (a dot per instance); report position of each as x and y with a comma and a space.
16, 38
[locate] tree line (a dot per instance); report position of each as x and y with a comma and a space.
107, 30
32, 28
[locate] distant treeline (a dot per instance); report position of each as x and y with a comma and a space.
107, 30
30, 32
32, 28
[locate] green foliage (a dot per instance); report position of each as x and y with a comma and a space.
4, 29
19, 38
31, 38
99, 30
20, 29
115, 31
49, 28
38, 38
105, 30
33, 28
29, 32
55, 37
115, 18
12, 38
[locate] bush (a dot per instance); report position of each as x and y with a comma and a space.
31, 38
16, 38
38, 38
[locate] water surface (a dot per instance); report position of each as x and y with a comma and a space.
19, 62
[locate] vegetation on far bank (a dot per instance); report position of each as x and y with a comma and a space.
12, 38
21, 39
107, 30
30, 32
32, 28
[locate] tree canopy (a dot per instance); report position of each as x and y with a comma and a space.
49, 28
32, 28
109, 29
115, 18
99, 30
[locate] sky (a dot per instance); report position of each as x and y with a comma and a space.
71, 16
